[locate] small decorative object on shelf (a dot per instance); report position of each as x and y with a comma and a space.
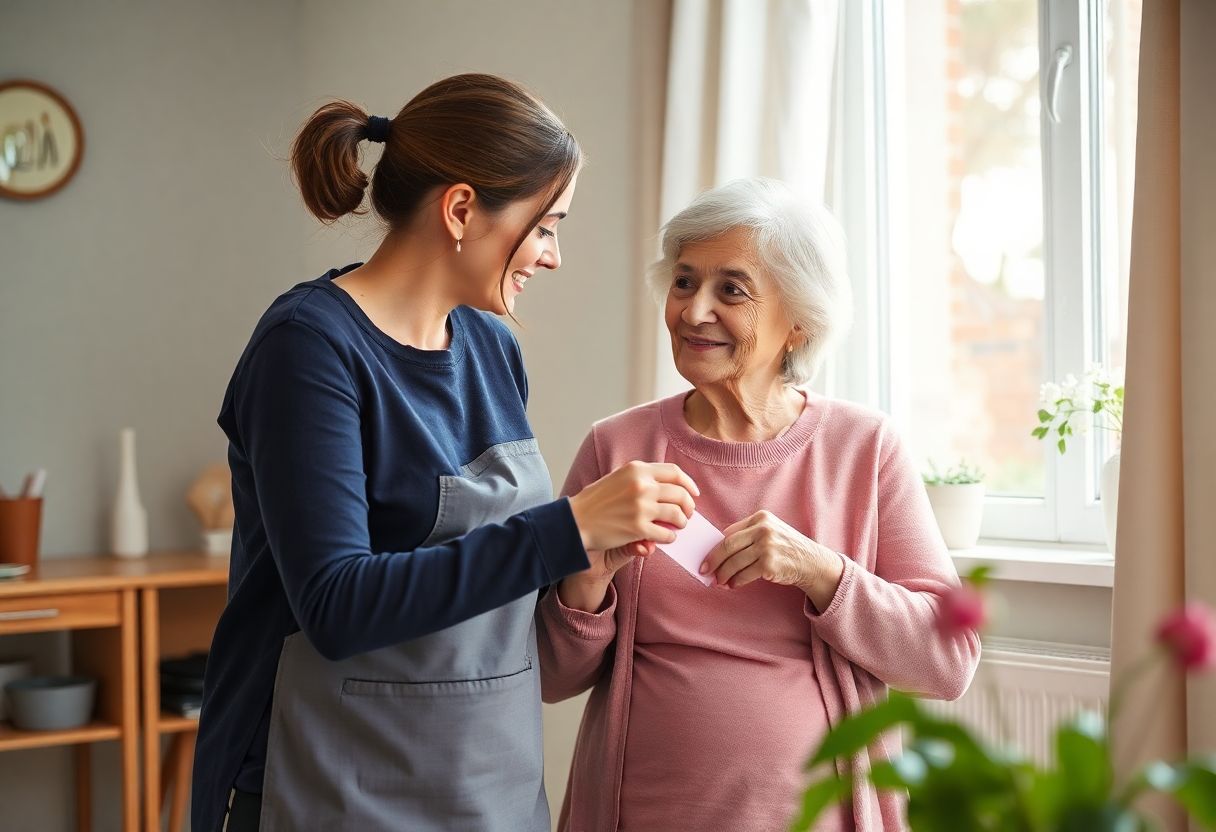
181, 684
210, 498
21, 525
955, 778
957, 497
51, 703
1071, 408
129, 523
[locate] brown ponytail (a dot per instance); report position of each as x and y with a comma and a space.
325, 160
478, 129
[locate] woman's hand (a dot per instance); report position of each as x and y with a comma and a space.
632, 504
586, 590
620, 517
764, 546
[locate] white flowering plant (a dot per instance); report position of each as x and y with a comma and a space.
1074, 406
961, 474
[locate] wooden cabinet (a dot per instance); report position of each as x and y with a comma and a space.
123, 616
176, 617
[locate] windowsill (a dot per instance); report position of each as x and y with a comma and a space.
1044, 563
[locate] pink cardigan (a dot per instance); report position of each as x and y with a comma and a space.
878, 630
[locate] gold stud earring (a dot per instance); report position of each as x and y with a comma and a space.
458, 245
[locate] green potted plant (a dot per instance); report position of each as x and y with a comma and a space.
956, 780
957, 497
1074, 406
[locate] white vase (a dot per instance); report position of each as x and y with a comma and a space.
959, 510
129, 522
1109, 495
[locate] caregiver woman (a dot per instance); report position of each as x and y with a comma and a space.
375, 666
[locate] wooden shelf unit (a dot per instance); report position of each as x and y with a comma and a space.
176, 618
119, 630
12, 739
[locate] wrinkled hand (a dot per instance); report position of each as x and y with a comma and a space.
765, 547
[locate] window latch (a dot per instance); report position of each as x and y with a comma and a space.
1063, 58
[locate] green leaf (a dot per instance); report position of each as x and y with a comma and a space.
979, 575
937, 753
1196, 790
1044, 416
818, 797
1083, 759
1063, 428
861, 729
1096, 817
1119, 393
1060, 445
1046, 794
1098, 406
907, 770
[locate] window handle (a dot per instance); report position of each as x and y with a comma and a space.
1063, 58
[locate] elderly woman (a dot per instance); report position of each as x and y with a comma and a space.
707, 701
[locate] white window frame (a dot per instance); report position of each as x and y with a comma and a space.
867, 190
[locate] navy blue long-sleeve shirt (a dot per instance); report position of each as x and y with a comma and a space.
338, 438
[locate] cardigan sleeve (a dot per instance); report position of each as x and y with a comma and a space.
574, 645
884, 621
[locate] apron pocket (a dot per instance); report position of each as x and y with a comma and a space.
457, 749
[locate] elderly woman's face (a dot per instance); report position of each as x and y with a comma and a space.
724, 314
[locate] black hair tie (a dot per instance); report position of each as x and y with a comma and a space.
378, 129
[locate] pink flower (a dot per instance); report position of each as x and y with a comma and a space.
963, 608
1190, 637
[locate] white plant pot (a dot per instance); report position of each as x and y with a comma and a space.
1109, 494
959, 509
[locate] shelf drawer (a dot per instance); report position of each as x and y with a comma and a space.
68, 611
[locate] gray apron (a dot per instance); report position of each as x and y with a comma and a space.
441, 732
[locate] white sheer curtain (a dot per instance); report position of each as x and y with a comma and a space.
749, 93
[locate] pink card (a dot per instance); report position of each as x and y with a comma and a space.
692, 544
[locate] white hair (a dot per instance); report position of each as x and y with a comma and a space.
798, 243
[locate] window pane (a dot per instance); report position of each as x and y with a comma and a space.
977, 341
1120, 55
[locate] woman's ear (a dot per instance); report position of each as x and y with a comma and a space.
457, 205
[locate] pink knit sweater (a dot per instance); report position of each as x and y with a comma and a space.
839, 475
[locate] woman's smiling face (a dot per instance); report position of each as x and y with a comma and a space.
724, 313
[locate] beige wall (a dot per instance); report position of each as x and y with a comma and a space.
126, 298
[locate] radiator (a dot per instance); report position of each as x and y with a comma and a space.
1023, 689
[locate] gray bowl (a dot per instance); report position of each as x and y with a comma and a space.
51, 703
10, 671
